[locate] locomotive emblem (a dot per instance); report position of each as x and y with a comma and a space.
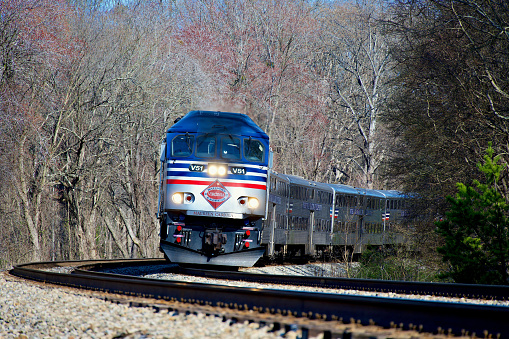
216, 194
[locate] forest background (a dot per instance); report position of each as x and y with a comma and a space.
402, 94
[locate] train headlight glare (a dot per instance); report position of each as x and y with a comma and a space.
217, 170
221, 170
177, 198
253, 203
212, 169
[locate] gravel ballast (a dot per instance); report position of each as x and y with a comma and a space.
316, 270
33, 310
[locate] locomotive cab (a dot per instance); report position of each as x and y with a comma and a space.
213, 189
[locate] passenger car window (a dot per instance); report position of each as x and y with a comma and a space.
206, 146
182, 146
230, 148
253, 150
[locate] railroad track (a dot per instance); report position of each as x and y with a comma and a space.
421, 315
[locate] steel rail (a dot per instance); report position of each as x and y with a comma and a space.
487, 292
474, 291
427, 315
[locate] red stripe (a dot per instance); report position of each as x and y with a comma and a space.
238, 184
208, 182
188, 182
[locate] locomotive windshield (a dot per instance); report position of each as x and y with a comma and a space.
220, 146
253, 150
206, 146
230, 148
182, 146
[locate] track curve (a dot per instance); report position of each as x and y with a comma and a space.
488, 292
429, 316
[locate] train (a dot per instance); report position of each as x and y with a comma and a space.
221, 203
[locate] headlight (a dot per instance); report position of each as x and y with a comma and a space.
221, 170
217, 170
212, 169
253, 203
177, 198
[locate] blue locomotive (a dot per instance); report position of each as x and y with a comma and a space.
213, 189
221, 204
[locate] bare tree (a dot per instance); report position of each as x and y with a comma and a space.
30, 97
120, 110
356, 61
85, 101
259, 55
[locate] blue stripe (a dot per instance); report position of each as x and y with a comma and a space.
254, 170
179, 165
205, 175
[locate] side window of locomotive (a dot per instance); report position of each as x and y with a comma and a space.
230, 148
182, 146
253, 150
206, 146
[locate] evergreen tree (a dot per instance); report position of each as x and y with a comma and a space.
475, 229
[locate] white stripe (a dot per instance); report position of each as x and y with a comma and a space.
254, 174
